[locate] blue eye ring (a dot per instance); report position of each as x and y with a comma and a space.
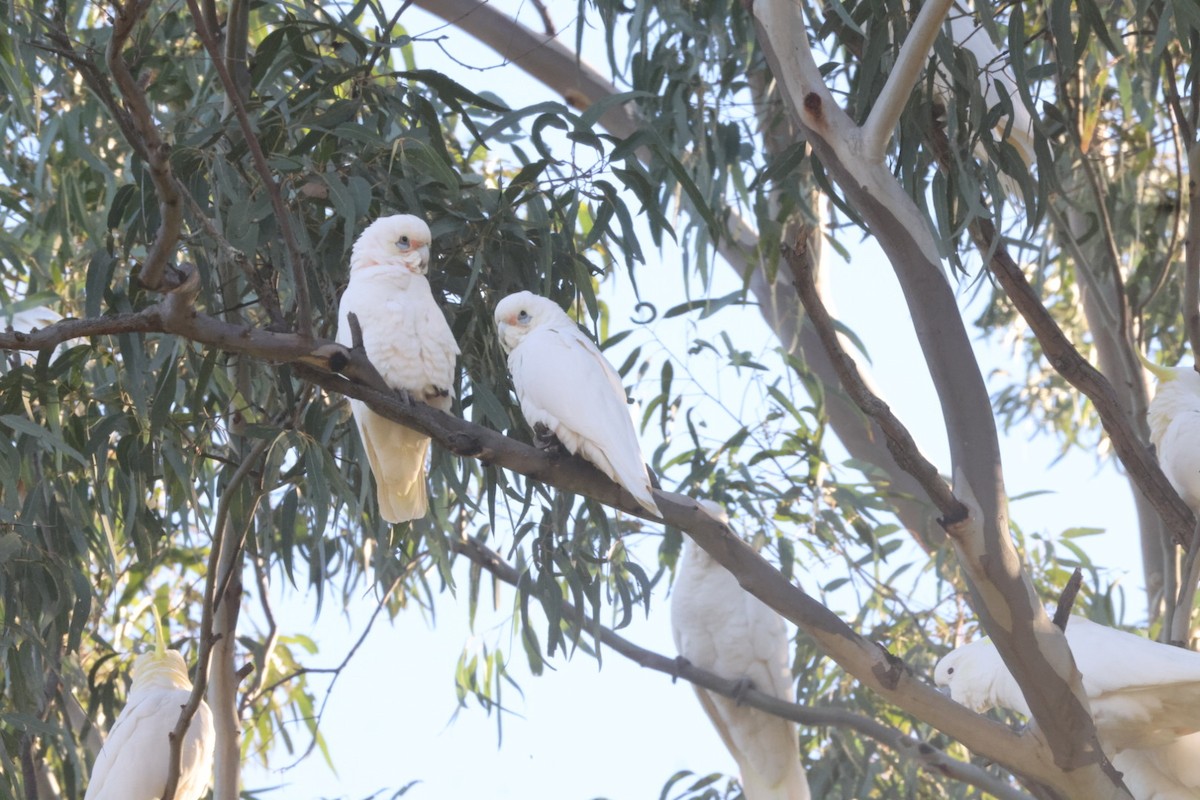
523, 316
403, 243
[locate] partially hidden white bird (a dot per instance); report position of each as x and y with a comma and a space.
1143, 694
720, 627
407, 339
132, 764
565, 384
1174, 419
994, 71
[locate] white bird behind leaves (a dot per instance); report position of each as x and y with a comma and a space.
132, 764
564, 383
407, 339
1143, 694
720, 627
995, 73
1174, 419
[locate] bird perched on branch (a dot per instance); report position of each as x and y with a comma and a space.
408, 341
1143, 694
567, 387
724, 629
132, 764
1174, 420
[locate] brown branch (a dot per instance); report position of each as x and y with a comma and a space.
282, 216
157, 152
929, 757
900, 442
1067, 361
215, 563
1062, 614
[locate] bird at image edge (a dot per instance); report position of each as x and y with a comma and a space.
132, 764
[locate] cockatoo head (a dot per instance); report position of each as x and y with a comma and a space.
161, 667
522, 312
714, 509
401, 240
972, 672
1178, 391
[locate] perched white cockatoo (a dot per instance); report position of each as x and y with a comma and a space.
565, 384
407, 339
29, 319
132, 764
994, 71
720, 627
1142, 694
1174, 419
1167, 772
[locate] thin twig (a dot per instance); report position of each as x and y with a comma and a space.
900, 442
206, 620
156, 151
1191, 255
1062, 614
929, 757
282, 216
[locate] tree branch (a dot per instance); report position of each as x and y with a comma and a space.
900, 442
1191, 258
1139, 463
282, 215
215, 564
147, 140
927, 756
914, 55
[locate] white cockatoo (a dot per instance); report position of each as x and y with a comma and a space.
1142, 693
27, 320
968, 33
1174, 419
407, 339
565, 384
132, 764
720, 627
1167, 772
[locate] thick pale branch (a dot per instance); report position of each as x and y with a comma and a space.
1140, 463
1033, 649
157, 153
929, 757
902, 79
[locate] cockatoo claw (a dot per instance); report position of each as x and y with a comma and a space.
680, 663
545, 440
740, 687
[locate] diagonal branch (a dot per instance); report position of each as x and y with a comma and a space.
1191, 258
928, 757
900, 441
282, 216
1140, 464
148, 142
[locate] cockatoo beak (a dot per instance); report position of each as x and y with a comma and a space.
1159, 371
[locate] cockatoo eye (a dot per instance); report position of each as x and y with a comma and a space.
523, 316
403, 243
950, 671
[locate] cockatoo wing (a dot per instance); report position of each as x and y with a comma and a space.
720, 627
1167, 772
408, 341
1141, 692
132, 764
564, 383
1178, 451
